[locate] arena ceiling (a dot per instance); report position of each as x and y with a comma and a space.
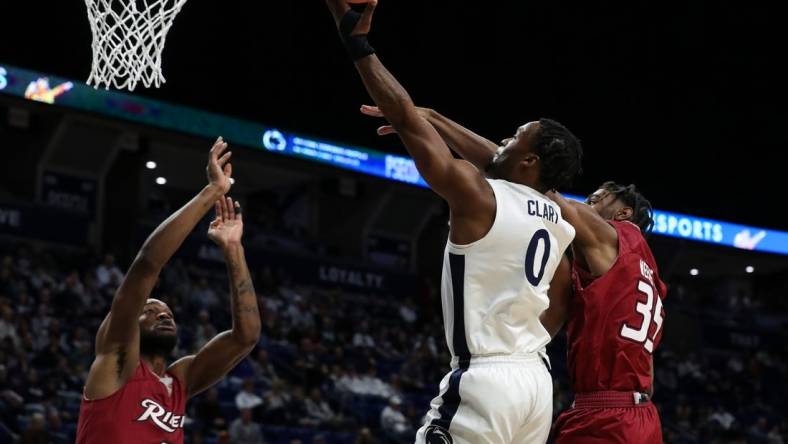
682, 100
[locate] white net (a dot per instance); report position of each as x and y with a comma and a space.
128, 38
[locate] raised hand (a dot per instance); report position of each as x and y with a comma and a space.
219, 169
228, 227
339, 8
374, 111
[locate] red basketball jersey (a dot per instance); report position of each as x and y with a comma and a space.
147, 410
617, 319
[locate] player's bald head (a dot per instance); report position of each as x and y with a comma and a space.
156, 301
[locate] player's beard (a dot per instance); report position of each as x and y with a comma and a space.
495, 169
492, 170
157, 344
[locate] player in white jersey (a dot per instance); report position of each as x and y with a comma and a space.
493, 292
505, 244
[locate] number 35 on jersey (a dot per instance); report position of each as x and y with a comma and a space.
649, 309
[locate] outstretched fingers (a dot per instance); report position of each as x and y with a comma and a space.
228, 201
238, 214
217, 207
215, 148
225, 210
372, 111
364, 24
338, 8
225, 158
385, 130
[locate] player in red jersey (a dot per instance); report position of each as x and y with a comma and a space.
131, 394
615, 320
615, 316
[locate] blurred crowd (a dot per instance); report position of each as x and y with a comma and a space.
332, 366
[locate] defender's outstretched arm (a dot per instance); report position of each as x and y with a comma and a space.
117, 340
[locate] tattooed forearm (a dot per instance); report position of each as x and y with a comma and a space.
245, 286
243, 309
246, 315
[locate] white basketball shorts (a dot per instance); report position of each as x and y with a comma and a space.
492, 400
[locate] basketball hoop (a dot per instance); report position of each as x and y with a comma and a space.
128, 38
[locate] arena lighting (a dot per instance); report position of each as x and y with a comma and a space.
151, 165
166, 116
694, 272
161, 180
749, 269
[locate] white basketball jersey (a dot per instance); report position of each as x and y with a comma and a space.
493, 290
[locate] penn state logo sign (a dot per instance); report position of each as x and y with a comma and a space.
437, 435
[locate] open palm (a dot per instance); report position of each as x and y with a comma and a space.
228, 226
219, 169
